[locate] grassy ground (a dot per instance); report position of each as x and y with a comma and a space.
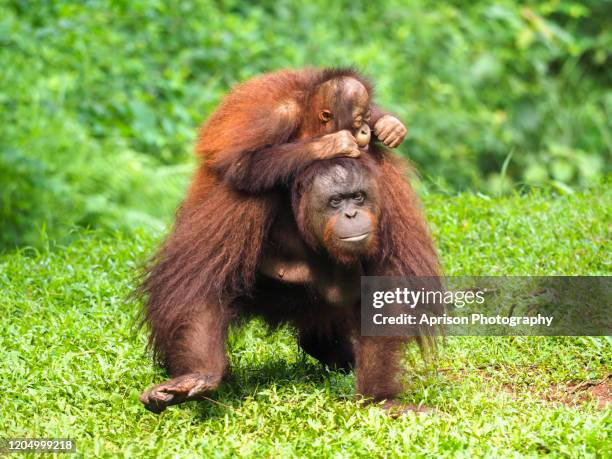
73, 364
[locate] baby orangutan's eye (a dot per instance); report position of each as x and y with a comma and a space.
325, 116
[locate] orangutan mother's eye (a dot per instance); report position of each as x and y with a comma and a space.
335, 201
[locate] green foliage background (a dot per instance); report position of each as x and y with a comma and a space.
100, 101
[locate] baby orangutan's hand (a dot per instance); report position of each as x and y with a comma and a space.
390, 130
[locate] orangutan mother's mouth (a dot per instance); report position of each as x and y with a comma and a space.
359, 237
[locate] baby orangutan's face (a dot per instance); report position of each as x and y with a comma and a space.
344, 103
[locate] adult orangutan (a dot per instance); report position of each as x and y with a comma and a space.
265, 137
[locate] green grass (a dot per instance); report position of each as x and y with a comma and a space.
73, 362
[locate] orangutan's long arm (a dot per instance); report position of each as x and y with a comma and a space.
261, 170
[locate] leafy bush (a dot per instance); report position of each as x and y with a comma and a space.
100, 101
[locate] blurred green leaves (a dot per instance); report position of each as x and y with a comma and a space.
100, 100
